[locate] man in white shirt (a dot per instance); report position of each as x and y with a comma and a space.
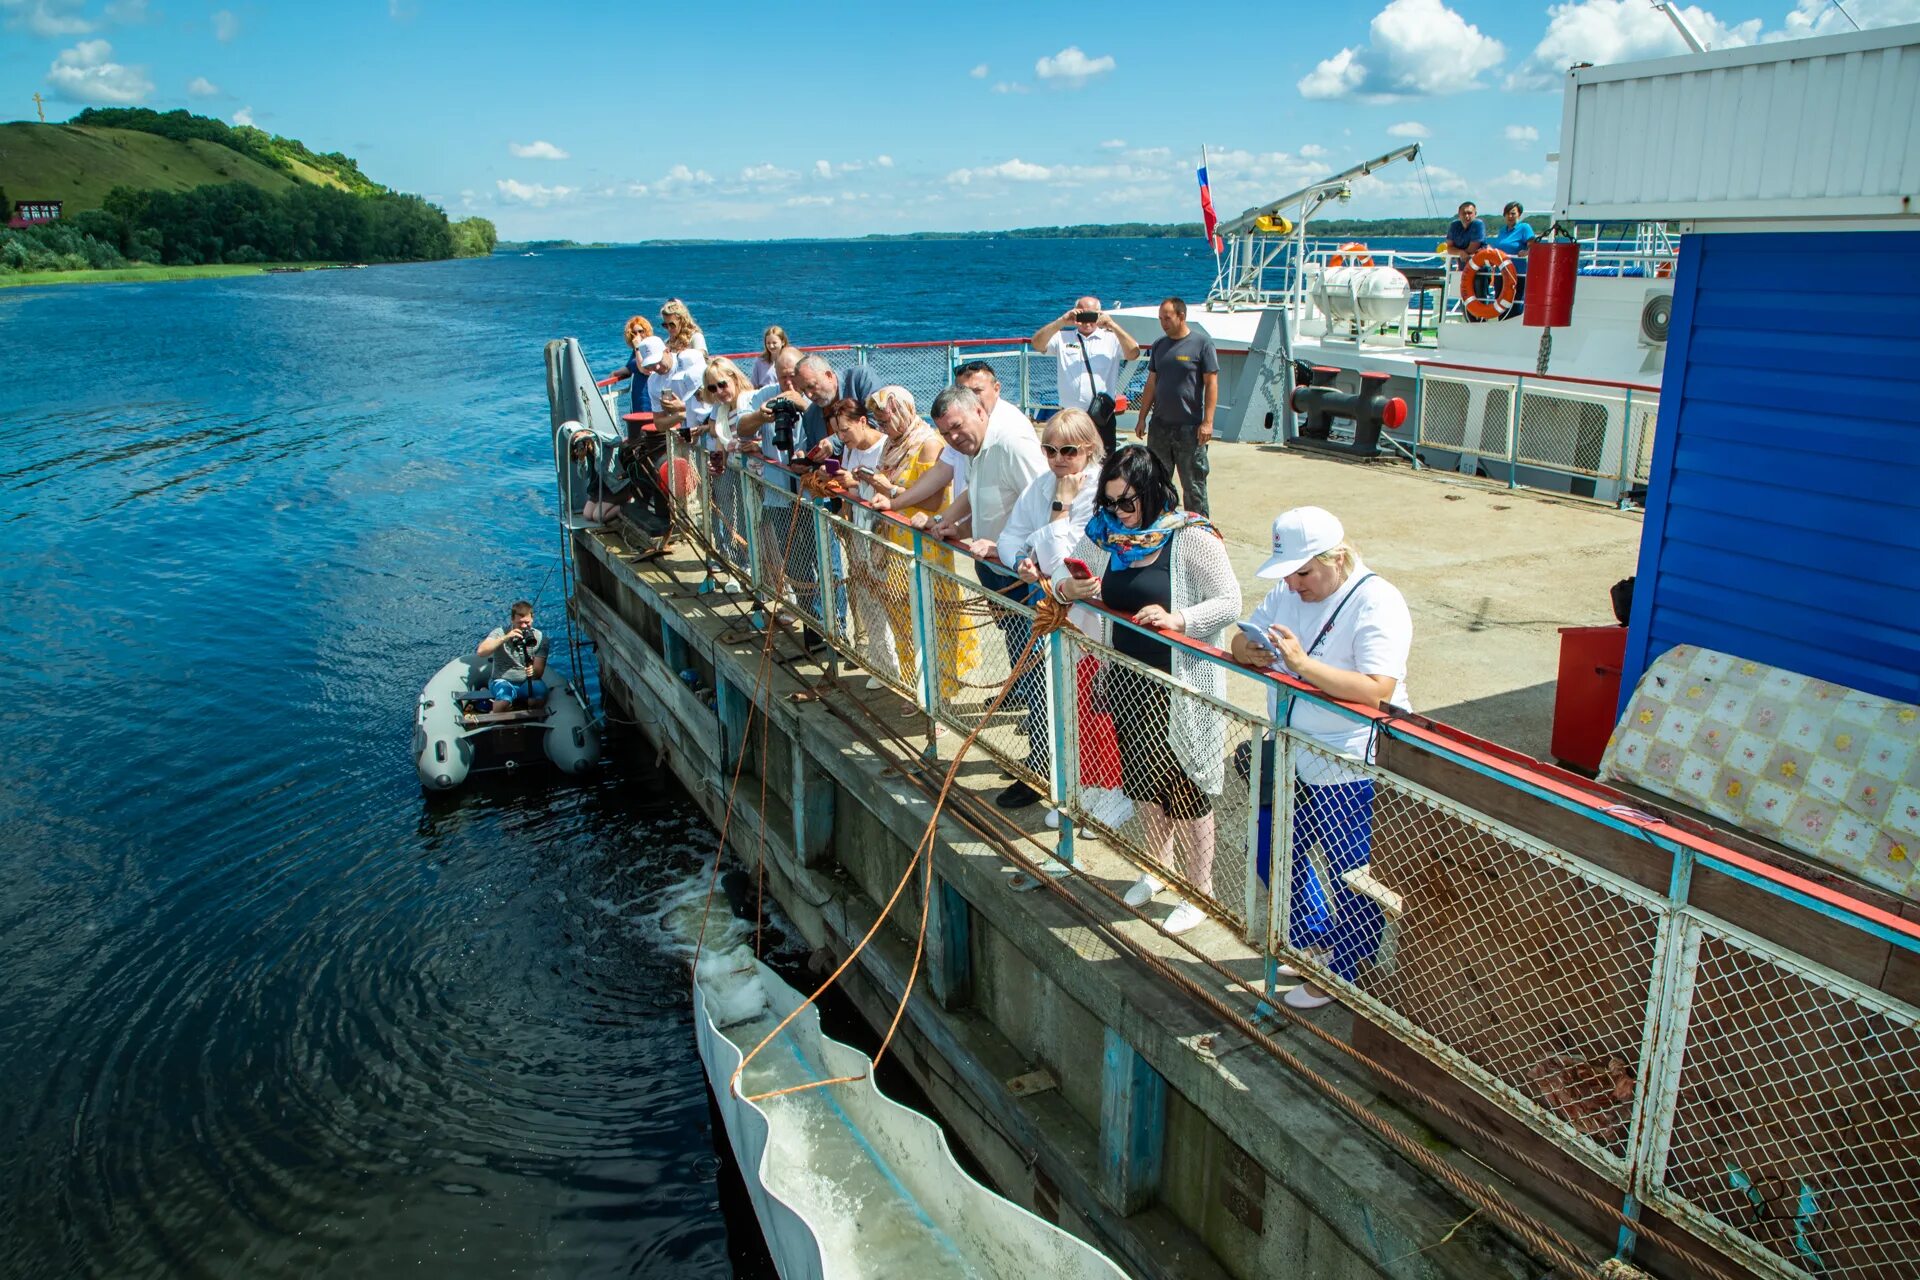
1091, 350
672, 379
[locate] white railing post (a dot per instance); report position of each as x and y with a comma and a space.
1256, 779
1280, 859
1513, 432
1663, 1039
1627, 452
924, 633
1063, 737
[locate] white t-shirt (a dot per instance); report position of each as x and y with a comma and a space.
958, 461
1008, 460
683, 379
1103, 353
1372, 634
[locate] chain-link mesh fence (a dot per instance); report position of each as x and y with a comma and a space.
1512, 961
1643, 410
979, 633
1571, 429
1469, 413
1166, 775
880, 632
1796, 1122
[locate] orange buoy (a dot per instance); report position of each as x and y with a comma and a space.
1361, 258
1482, 308
677, 477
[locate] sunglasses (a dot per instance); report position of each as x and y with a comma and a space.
1061, 450
718, 388
1126, 503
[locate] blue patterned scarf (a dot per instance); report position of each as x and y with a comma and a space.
1128, 547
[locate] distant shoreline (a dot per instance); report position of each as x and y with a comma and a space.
144, 275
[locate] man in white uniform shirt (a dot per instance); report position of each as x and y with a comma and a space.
1091, 350
672, 380
1003, 456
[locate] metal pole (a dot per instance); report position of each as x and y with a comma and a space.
921, 603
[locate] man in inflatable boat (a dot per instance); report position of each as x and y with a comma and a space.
519, 658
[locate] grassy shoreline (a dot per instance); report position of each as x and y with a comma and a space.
141, 275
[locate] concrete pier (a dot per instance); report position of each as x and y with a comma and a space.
1088, 1085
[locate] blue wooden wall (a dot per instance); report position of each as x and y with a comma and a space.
1783, 513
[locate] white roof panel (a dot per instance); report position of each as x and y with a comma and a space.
1803, 130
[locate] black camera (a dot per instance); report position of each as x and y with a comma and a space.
1086, 317
786, 416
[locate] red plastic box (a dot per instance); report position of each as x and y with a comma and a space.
1588, 693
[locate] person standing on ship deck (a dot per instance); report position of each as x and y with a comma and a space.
772, 342
1091, 353
638, 327
1003, 456
1512, 239
1182, 392
1466, 236
1347, 632
682, 333
1169, 569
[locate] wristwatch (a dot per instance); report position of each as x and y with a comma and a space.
1059, 505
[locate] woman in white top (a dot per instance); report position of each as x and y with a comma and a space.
724, 395
1347, 632
1047, 522
1168, 568
862, 447
682, 333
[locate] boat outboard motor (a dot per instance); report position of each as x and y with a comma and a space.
1371, 410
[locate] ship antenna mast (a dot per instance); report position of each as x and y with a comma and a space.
1680, 25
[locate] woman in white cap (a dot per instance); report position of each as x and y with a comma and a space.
1346, 631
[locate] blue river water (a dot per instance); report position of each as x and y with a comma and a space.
264, 1008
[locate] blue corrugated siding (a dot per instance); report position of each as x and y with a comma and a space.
1783, 516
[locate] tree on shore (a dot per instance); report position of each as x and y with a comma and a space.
474, 238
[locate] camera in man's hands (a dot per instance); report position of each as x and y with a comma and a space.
786, 416
1086, 317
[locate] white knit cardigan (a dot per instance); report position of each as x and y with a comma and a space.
1207, 596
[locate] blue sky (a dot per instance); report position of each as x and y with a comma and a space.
593, 121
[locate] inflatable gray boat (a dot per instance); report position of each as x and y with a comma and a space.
452, 739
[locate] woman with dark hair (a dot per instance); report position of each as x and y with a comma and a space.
1512, 239
1169, 569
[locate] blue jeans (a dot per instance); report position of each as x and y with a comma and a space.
1030, 690
1339, 817
507, 690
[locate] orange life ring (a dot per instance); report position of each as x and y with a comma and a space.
1361, 258
1663, 270
1489, 259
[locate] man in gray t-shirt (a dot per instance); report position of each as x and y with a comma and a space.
1176, 408
516, 659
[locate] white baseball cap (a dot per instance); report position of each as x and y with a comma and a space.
649, 351
1298, 536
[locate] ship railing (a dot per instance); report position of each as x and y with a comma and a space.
1597, 432
1719, 1040
1028, 378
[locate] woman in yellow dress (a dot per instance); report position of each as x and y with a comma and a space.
915, 484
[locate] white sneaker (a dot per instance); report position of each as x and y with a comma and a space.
1286, 970
1185, 916
1053, 819
1110, 809
1142, 891
1301, 998
873, 682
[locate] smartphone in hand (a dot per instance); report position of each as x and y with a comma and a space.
1077, 568
1256, 637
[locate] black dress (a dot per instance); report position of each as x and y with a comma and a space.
1142, 706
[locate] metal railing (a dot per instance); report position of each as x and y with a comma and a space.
1593, 428
1759, 1098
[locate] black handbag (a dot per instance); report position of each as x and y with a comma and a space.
1101, 408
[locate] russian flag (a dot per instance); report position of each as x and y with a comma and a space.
1206, 209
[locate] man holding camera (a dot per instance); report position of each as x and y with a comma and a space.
1181, 395
1091, 350
518, 658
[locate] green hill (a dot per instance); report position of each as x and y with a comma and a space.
79, 164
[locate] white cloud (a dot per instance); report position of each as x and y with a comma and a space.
244, 117
539, 150
50, 18
1823, 17
1520, 180
1415, 48
88, 73
979, 72
1314, 151
1149, 154
767, 174
1408, 129
127, 13
821, 169
1521, 135
225, 26
807, 202
201, 87
532, 193
1014, 170
1071, 68
1114, 144
681, 176
1604, 31
1008, 86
